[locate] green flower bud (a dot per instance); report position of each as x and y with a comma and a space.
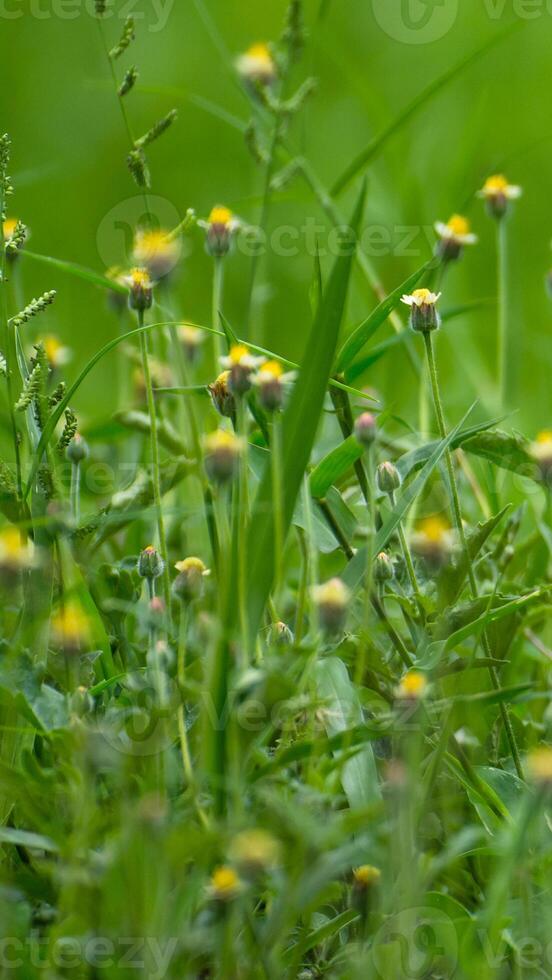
150, 563
388, 478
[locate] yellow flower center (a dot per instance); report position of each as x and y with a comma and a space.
191, 565
221, 440
153, 243
224, 882
539, 763
261, 53
413, 685
9, 227
273, 370
238, 352
458, 225
52, 347
11, 547
70, 624
544, 436
140, 279
422, 296
366, 875
497, 184
220, 215
433, 528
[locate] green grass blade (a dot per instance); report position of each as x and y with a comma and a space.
334, 464
299, 427
366, 330
376, 145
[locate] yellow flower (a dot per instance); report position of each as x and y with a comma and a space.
140, 287
241, 363
453, 236
220, 227
222, 452
70, 627
224, 884
433, 539
156, 251
423, 314
257, 64
539, 764
366, 875
56, 352
9, 226
541, 451
497, 192
15, 553
498, 185
332, 599
413, 686
254, 851
191, 338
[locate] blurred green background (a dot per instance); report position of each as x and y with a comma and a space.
73, 188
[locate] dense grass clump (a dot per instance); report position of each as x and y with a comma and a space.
274, 695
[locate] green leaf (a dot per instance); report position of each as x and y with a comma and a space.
377, 144
337, 462
342, 710
74, 269
26, 838
452, 577
365, 330
509, 451
411, 461
355, 570
299, 427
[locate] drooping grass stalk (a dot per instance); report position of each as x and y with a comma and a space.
156, 480
502, 338
495, 680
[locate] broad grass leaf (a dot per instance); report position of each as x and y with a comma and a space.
415, 458
504, 449
299, 427
341, 711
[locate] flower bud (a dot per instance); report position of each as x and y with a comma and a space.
222, 396
150, 563
254, 851
453, 236
388, 478
498, 193
241, 364
332, 600
423, 312
256, 65
220, 227
190, 582
433, 540
191, 339
140, 286
383, 568
281, 635
77, 450
366, 429
70, 628
366, 876
222, 453
271, 390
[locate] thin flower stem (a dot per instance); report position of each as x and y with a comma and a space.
360, 665
495, 680
277, 500
218, 283
182, 731
8, 345
409, 565
154, 443
502, 340
75, 492
243, 522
